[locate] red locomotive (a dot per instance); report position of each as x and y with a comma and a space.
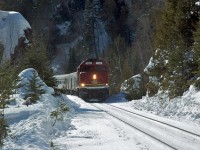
92, 77
90, 82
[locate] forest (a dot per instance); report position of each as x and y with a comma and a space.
121, 31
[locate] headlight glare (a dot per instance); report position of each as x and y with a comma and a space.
94, 77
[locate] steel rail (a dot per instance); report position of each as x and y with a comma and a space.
184, 130
129, 124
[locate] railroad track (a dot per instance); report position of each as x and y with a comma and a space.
172, 136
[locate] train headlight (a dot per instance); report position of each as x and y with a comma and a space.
82, 84
94, 77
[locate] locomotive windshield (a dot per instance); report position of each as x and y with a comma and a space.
93, 68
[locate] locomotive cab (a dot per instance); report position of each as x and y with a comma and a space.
92, 75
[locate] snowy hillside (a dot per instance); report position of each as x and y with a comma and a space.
12, 26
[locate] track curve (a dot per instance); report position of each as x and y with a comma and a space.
170, 135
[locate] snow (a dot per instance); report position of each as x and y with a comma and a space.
64, 27
62, 56
150, 65
84, 127
185, 108
31, 127
135, 79
12, 26
25, 76
101, 37
197, 3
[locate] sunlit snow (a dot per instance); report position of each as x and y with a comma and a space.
86, 128
12, 26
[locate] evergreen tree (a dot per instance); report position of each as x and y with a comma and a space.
59, 113
2, 129
173, 41
2, 4
72, 61
118, 67
109, 8
1, 51
196, 49
34, 88
126, 69
7, 81
92, 18
36, 57
7, 85
175, 75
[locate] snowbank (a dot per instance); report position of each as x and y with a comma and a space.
184, 108
25, 76
134, 87
12, 26
33, 126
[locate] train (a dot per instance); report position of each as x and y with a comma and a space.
90, 82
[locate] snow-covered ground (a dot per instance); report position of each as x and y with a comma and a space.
84, 127
185, 108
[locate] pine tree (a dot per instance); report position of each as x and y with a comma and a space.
34, 88
72, 61
92, 18
1, 51
196, 47
163, 37
7, 80
2, 4
7, 85
3, 129
180, 61
36, 57
58, 114
109, 8
116, 57
175, 68
126, 69
173, 42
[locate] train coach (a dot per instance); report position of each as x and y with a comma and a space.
67, 83
90, 82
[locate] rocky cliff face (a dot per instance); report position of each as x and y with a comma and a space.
12, 30
133, 20
66, 23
